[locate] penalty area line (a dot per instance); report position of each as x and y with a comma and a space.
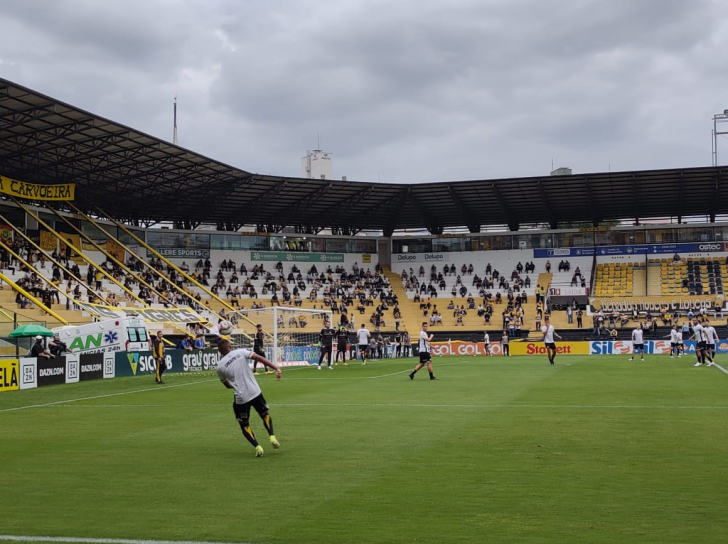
81, 540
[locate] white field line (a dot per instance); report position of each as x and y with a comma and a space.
723, 370
422, 405
71, 539
405, 371
47, 404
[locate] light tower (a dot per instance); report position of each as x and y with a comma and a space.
719, 119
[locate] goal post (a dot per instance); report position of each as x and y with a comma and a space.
291, 335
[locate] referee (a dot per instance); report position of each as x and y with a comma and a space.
425, 354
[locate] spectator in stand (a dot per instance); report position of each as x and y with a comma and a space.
579, 318
548, 267
186, 344
570, 315
38, 350
57, 347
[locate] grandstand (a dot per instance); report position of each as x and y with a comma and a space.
96, 212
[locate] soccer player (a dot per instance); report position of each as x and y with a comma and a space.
486, 343
701, 348
259, 348
342, 337
674, 347
712, 338
548, 339
235, 373
638, 342
362, 337
326, 337
680, 344
158, 354
425, 355
505, 344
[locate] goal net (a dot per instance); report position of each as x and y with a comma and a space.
290, 335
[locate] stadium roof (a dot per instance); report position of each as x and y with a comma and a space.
137, 177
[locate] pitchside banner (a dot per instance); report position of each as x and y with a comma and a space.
516, 348
539, 348
51, 371
459, 347
28, 373
653, 347
176, 360
9, 375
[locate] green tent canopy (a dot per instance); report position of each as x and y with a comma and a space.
30, 330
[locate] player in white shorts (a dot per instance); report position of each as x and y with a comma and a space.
712, 339
548, 340
680, 344
701, 348
235, 373
674, 346
638, 342
362, 338
486, 342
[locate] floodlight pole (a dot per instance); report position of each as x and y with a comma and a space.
718, 119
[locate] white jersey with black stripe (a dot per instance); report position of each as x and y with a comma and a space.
424, 342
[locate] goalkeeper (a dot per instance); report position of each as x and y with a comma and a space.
326, 341
259, 349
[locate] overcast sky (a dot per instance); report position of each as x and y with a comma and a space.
413, 91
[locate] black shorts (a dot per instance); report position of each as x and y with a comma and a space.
259, 351
711, 347
639, 346
327, 348
363, 347
242, 411
673, 344
341, 347
702, 345
425, 357
551, 346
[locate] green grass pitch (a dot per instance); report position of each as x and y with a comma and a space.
504, 450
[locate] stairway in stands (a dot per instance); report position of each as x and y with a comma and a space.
411, 316
544, 280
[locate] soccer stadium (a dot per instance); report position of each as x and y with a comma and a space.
128, 262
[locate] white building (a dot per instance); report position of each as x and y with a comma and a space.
317, 165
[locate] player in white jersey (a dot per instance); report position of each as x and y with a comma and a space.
425, 353
362, 338
486, 343
701, 347
711, 339
680, 344
235, 373
638, 342
548, 340
674, 346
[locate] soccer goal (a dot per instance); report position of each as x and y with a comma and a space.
290, 335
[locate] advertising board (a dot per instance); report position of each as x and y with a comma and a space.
28, 373
9, 375
91, 366
538, 348
51, 371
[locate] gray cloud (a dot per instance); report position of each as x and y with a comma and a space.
409, 91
